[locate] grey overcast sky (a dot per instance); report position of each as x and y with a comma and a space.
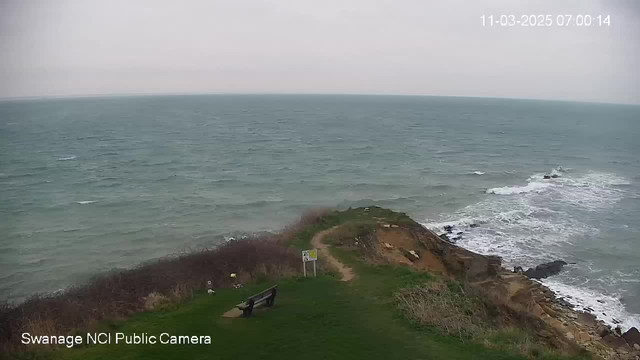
87, 47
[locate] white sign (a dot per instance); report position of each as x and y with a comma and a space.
309, 255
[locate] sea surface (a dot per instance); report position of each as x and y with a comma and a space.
92, 184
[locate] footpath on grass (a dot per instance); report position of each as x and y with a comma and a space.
317, 242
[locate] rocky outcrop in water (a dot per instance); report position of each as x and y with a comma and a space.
545, 270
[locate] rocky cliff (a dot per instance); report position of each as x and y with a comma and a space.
553, 320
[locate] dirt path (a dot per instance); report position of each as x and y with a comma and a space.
347, 272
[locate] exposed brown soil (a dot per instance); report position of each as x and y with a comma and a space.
233, 313
400, 240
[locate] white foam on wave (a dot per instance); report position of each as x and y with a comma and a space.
530, 224
512, 190
592, 191
521, 233
86, 202
607, 308
234, 238
72, 157
478, 173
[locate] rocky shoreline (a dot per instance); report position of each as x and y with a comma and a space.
563, 325
579, 326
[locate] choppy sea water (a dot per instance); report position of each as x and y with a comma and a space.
91, 184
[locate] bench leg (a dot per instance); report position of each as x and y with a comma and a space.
271, 298
248, 310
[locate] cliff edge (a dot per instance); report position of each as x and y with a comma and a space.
522, 302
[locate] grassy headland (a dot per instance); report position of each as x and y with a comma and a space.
385, 312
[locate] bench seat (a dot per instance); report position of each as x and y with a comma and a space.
266, 297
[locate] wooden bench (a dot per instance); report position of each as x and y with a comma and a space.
266, 297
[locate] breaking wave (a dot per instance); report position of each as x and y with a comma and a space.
541, 221
606, 307
511, 190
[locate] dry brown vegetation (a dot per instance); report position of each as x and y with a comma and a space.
472, 314
446, 306
156, 285
462, 309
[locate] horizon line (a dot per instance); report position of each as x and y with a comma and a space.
82, 96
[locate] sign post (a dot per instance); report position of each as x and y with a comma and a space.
309, 255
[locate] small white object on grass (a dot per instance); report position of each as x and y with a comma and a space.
211, 291
233, 275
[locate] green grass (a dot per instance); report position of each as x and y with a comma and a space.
313, 318
322, 318
356, 215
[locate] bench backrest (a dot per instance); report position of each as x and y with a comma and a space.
262, 293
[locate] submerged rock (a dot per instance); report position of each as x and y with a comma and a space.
545, 270
444, 237
547, 177
448, 228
